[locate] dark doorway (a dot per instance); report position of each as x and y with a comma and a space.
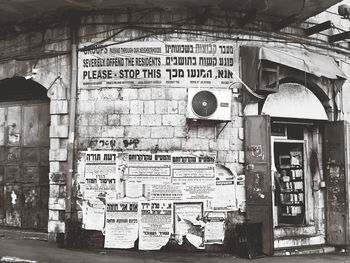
24, 154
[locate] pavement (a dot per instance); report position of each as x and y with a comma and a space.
33, 251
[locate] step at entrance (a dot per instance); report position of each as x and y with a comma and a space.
305, 250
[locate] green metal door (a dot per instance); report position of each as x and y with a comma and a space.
258, 176
336, 177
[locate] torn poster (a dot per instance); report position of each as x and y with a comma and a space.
215, 227
188, 223
240, 192
121, 224
156, 224
225, 189
93, 214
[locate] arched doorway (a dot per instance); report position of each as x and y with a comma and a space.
298, 196
24, 154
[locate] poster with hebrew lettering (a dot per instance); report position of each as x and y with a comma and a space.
100, 174
121, 229
156, 224
149, 168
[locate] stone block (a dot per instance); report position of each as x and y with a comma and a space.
166, 107
113, 131
219, 145
241, 157
145, 144
130, 120
157, 94
58, 107
169, 144
54, 190
195, 144
236, 144
57, 203
149, 107
241, 133
54, 167
90, 131
97, 119
82, 119
162, 132
206, 132
182, 107
104, 106
176, 94
136, 107
57, 92
113, 119
58, 155
180, 132
237, 122
85, 106
137, 132
106, 94
232, 157
122, 106
53, 215
59, 131
55, 144
151, 120
57, 178
56, 227
173, 120
144, 94
129, 94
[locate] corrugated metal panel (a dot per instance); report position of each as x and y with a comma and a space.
315, 64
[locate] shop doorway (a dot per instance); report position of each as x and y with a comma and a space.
24, 154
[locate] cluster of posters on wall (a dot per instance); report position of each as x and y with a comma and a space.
151, 198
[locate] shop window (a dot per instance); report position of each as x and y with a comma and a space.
287, 131
289, 182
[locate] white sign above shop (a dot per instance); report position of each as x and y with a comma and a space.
155, 63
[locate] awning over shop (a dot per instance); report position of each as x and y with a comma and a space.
294, 101
315, 64
301, 60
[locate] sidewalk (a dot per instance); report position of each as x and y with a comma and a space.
42, 251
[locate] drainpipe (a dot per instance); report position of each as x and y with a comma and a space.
74, 22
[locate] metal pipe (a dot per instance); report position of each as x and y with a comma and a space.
72, 114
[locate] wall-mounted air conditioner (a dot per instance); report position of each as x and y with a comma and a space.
209, 104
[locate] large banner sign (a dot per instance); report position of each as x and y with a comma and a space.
155, 63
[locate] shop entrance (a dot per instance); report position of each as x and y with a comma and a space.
297, 172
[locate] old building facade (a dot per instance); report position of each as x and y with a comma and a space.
197, 117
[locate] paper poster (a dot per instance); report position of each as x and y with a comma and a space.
215, 228
149, 168
193, 192
225, 189
194, 169
240, 192
156, 224
121, 224
93, 214
100, 174
188, 223
168, 192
